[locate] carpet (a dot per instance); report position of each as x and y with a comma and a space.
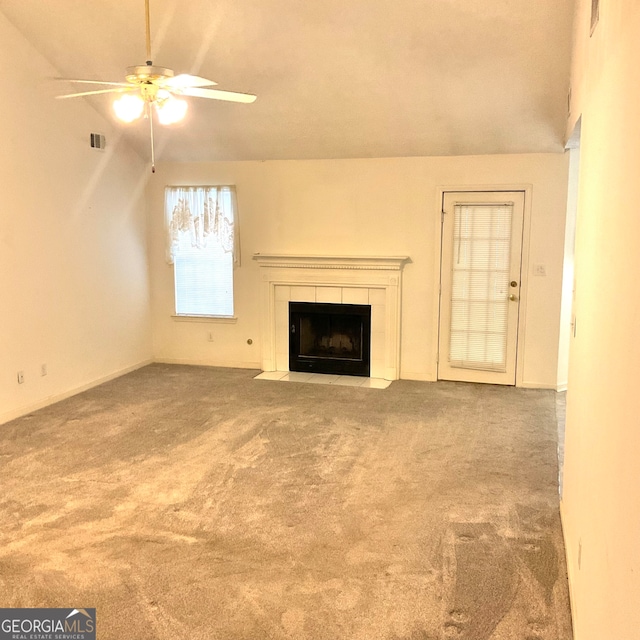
199, 503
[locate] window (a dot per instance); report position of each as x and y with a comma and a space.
480, 279
203, 248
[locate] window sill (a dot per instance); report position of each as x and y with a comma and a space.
214, 319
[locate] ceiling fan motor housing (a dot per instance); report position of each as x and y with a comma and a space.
147, 73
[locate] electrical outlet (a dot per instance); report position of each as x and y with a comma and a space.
210, 336
20, 377
539, 270
43, 370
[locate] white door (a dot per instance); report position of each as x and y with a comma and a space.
480, 286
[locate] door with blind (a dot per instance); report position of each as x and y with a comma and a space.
480, 286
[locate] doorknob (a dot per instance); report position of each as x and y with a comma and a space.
513, 297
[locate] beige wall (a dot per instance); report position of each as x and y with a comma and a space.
365, 207
566, 311
73, 272
601, 509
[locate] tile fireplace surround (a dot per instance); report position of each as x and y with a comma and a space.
374, 280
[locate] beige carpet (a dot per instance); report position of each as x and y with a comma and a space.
198, 503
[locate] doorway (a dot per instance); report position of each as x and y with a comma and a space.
480, 278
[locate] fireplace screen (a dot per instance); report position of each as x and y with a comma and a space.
330, 338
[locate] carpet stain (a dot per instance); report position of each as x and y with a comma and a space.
482, 581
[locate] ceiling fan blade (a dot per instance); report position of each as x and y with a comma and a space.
185, 80
114, 84
216, 94
92, 93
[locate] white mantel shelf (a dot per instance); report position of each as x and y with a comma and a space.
373, 280
387, 263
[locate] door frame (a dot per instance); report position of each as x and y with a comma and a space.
527, 189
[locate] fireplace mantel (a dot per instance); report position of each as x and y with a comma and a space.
386, 263
373, 280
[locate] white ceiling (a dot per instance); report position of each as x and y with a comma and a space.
334, 78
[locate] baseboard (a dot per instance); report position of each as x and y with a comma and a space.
418, 377
536, 385
426, 377
569, 565
208, 363
41, 404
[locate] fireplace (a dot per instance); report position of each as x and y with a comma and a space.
358, 280
330, 338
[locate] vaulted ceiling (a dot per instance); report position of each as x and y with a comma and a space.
334, 78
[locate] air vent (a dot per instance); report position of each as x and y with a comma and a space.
98, 141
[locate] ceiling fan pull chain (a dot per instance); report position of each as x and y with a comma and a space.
153, 153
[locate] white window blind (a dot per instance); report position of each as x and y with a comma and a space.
202, 242
480, 286
204, 282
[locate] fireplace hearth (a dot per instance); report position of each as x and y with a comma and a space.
330, 338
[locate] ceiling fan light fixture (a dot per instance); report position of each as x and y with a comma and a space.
148, 87
128, 107
171, 110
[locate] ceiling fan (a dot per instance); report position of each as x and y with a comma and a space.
149, 88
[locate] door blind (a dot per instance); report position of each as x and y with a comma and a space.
480, 286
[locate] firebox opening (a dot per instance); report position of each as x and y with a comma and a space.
330, 338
